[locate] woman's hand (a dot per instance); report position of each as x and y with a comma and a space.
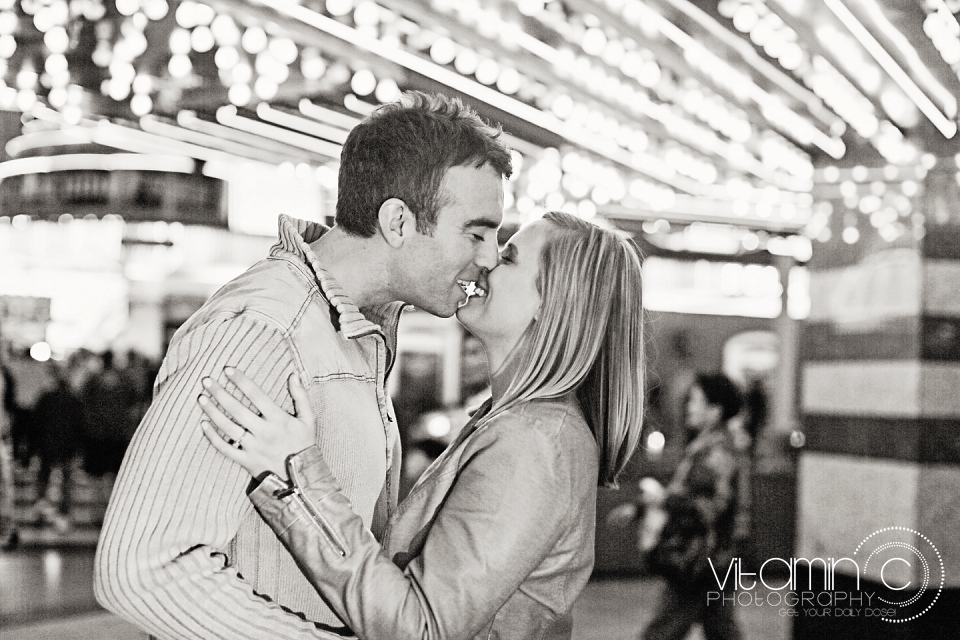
256, 443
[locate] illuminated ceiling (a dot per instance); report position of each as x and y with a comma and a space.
756, 113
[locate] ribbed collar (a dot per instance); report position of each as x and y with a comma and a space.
295, 236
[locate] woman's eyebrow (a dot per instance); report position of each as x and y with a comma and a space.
511, 251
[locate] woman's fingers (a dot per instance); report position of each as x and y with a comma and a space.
240, 414
301, 401
269, 409
231, 429
235, 454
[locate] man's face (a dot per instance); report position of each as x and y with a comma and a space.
463, 244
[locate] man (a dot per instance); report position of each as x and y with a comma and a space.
182, 553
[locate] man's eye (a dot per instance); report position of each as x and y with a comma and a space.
478, 237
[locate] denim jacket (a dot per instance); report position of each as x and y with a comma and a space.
494, 541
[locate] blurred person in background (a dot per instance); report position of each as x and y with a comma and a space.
747, 428
9, 536
107, 396
419, 203
59, 422
700, 517
496, 539
29, 379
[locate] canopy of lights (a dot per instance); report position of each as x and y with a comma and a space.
758, 124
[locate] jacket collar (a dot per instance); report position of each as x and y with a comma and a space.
295, 236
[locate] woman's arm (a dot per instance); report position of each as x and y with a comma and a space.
510, 503
500, 520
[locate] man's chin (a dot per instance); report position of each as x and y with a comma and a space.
444, 307
442, 311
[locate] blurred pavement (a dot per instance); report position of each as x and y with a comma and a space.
47, 594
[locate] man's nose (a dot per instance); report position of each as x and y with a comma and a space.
488, 255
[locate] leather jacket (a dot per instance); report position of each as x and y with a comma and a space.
495, 540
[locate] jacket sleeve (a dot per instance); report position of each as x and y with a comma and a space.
505, 512
178, 503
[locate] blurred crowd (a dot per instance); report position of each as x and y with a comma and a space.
77, 414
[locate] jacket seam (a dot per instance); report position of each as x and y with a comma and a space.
309, 280
343, 375
408, 500
565, 413
267, 319
290, 524
300, 267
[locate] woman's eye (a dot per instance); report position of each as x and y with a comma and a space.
505, 260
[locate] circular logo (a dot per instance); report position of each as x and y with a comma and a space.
909, 569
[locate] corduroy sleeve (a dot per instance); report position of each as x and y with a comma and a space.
178, 503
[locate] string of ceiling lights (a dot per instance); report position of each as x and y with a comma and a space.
622, 110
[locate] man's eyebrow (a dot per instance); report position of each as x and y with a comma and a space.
481, 222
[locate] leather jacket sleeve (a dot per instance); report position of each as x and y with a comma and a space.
504, 514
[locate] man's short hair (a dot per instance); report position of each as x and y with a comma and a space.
403, 150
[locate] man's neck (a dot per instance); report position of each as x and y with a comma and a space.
356, 265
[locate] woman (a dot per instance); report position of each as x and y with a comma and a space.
701, 503
496, 538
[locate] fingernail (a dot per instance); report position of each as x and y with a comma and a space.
202, 399
206, 382
229, 371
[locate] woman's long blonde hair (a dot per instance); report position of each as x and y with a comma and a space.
588, 338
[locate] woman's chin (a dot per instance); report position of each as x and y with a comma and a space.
463, 311
467, 314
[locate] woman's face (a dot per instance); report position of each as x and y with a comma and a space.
500, 317
700, 414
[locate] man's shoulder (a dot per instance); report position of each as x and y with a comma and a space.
271, 297
276, 291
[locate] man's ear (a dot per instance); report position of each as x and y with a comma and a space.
397, 222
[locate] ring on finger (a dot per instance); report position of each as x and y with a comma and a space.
237, 442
